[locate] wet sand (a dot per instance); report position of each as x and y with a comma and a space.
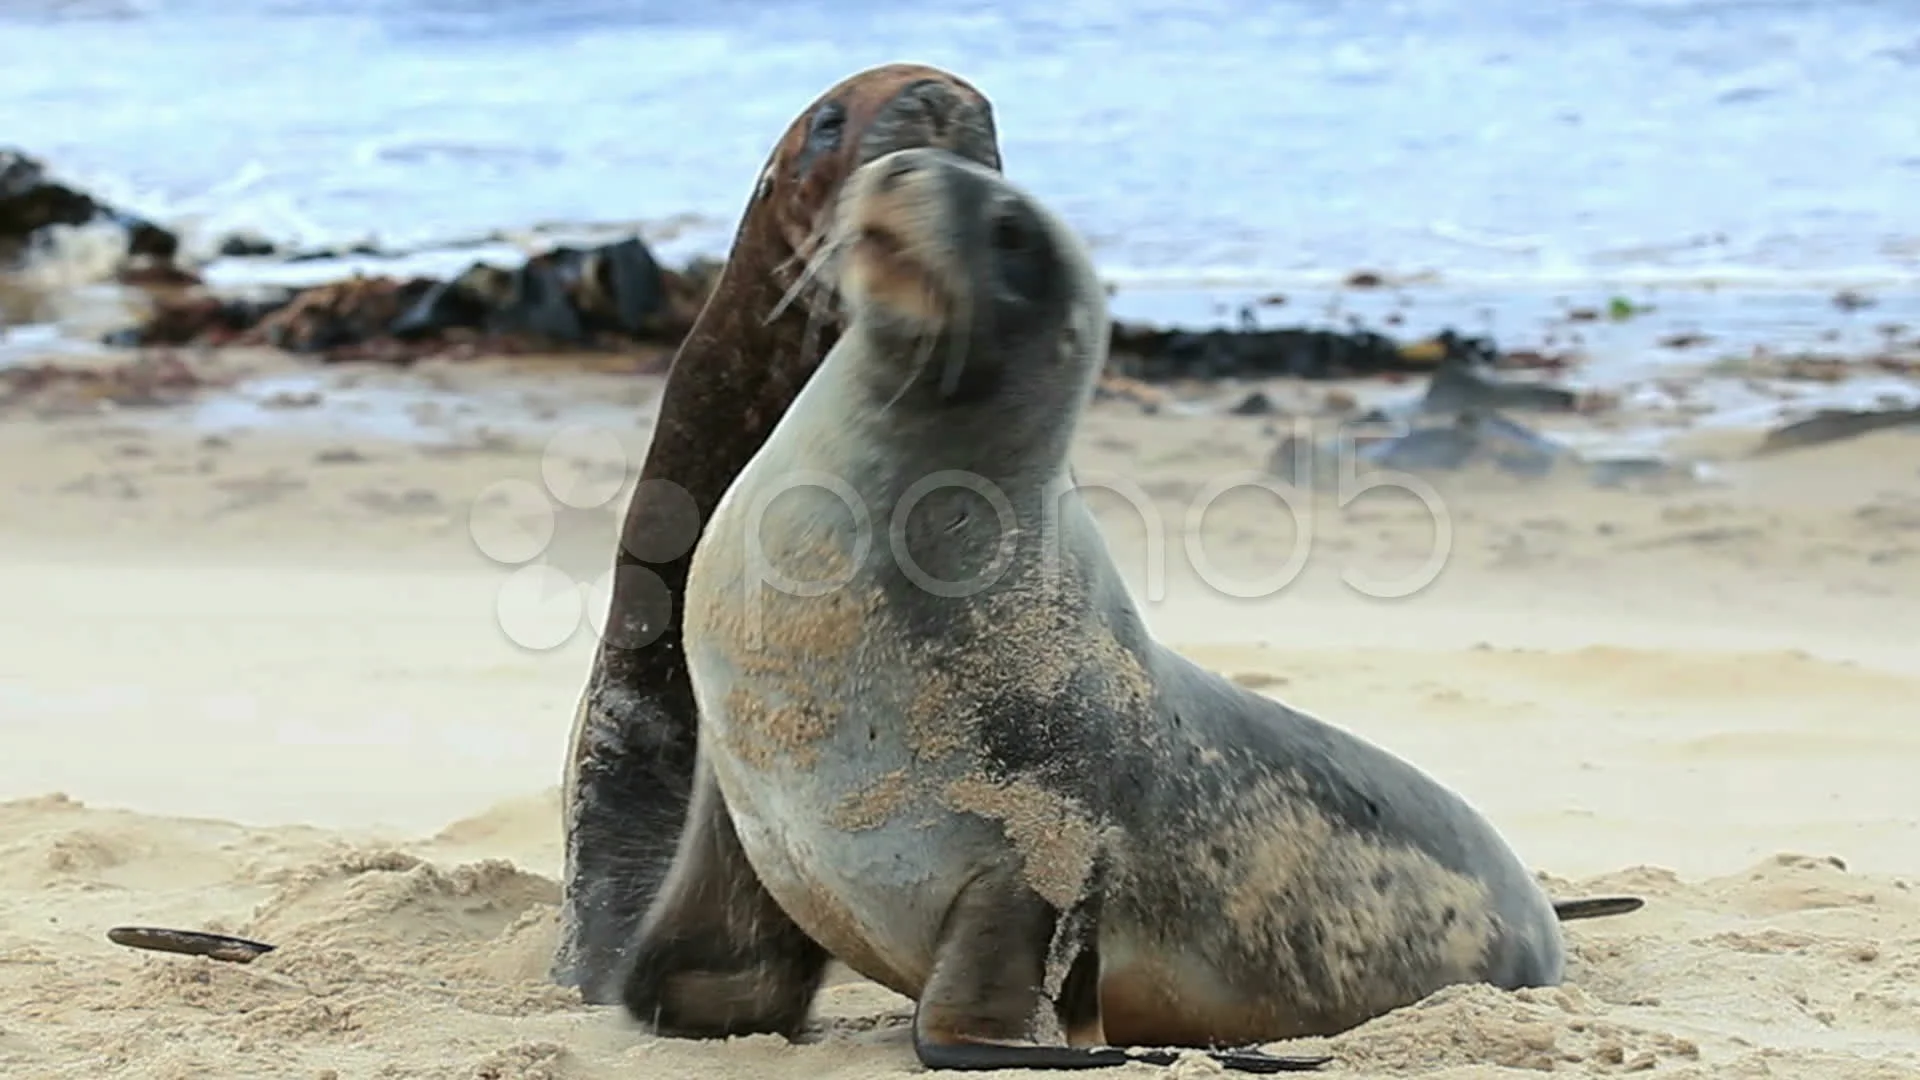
263, 679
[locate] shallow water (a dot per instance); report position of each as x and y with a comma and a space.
1492, 140
396, 408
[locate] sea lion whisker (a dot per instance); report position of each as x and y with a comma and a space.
817, 311
815, 254
808, 247
923, 352
958, 338
794, 259
800, 284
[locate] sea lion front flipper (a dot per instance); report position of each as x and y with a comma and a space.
982, 1003
628, 783
981, 1055
716, 956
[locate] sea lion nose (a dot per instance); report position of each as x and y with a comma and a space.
928, 100
936, 113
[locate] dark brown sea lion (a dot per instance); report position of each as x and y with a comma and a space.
934, 727
759, 337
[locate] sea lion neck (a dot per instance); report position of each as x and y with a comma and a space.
631, 768
732, 379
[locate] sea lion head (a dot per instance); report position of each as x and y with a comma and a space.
864, 117
971, 282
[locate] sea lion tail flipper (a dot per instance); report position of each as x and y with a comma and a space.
1593, 907
986, 985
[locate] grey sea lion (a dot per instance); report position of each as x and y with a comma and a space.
934, 728
759, 336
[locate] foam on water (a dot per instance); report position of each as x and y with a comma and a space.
1244, 140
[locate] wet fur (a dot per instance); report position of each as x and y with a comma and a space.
1016, 806
630, 769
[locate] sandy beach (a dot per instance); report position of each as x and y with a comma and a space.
266, 679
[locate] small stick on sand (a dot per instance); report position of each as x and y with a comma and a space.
189, 942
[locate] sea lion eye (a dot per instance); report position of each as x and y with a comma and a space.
828, 122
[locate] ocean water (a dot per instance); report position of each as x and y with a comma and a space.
1770, 142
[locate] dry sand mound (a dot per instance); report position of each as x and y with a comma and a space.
391, 965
